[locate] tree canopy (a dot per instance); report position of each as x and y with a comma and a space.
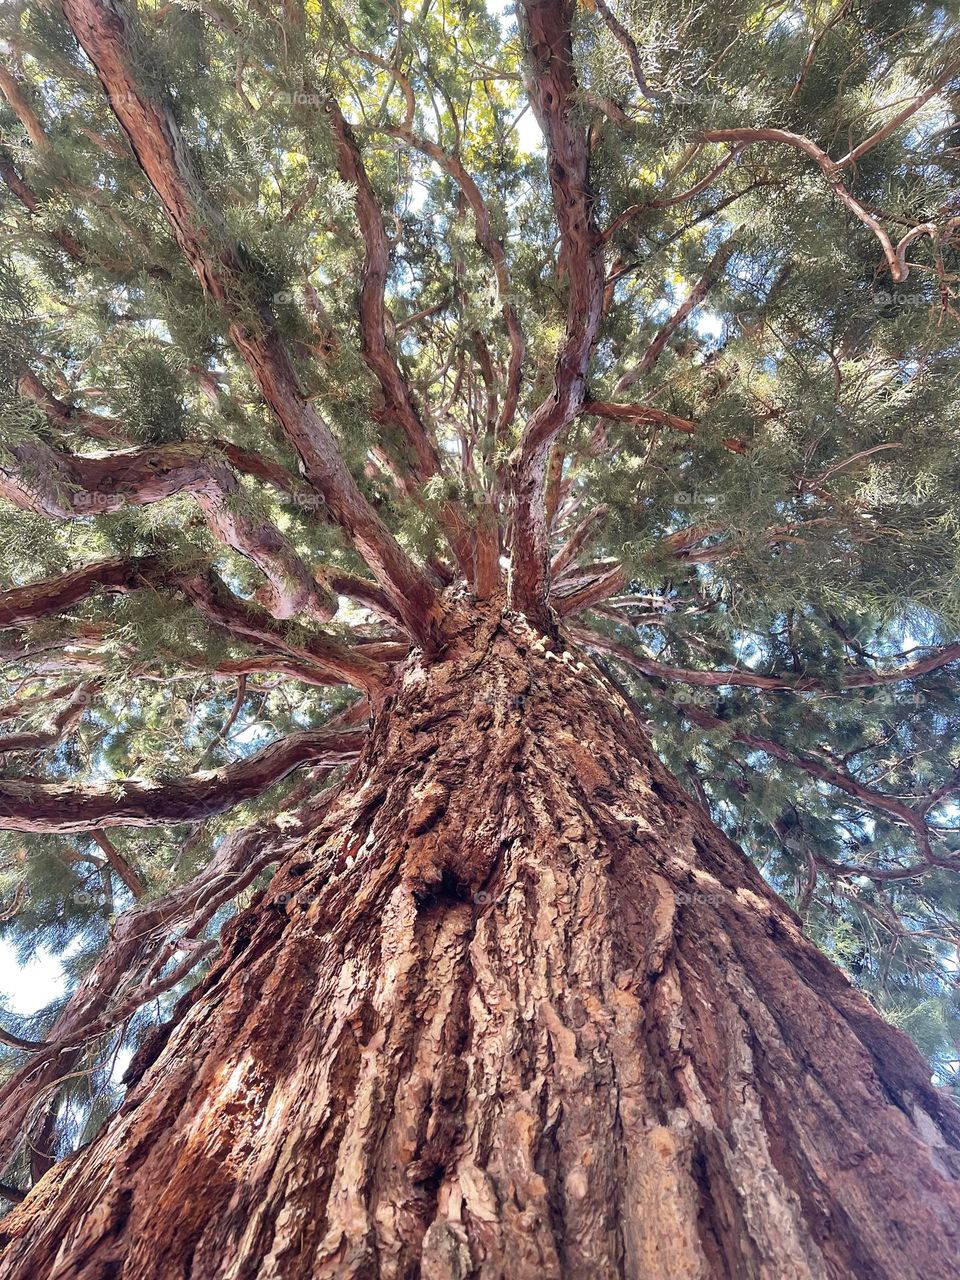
313, 316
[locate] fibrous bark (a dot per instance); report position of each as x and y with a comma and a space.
107, 36
39, 806
515, 1008
38, 478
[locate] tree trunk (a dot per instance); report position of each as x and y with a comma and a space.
518, 1009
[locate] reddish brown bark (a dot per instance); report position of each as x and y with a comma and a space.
106, 33
67, 487
316, 656
60, 724
553, 90
56, 807
515, 1008
398, 402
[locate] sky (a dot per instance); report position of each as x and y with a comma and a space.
26, 988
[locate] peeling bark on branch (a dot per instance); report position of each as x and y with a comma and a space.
553, 90
33, 806
105, 32
591, 593
65, 487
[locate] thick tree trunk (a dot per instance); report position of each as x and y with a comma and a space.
517, 1010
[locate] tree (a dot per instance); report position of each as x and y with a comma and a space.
446, 562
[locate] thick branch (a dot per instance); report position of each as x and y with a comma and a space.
398, 402
602, 587
22, 109
341, 663
65, 487
134, 939
61, 723
576, 541
106, 34
108, 429
638, 413
23, 605
553, 92
327, 658
49, 807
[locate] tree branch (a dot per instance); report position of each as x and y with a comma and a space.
695, 297
106, 34
755, 680
668, 202
638, 413
336, 663
54, 807
64, 720
895, 255
119, 864
65, 487
600, 588
341, 663
488, 243
24, 112
22, 605
398, 404
108, 429
629, 45
398, 401
907, 815
553, 93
